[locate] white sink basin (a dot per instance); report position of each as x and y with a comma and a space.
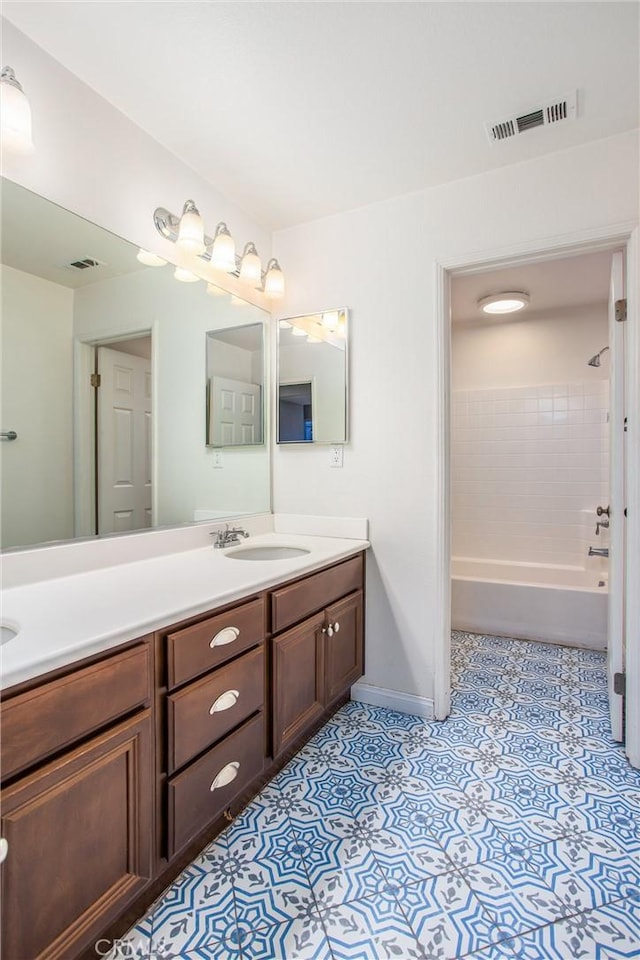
273, 552
6, 634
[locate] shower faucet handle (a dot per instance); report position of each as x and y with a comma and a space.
602, 511
601, 523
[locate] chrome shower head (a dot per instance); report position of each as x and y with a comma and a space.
595, 361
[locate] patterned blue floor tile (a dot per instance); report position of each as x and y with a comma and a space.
196, 912
136, 944
301, 938
610, 933
372, 928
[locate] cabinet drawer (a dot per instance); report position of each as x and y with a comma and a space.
196, 649
204, 711
194, 797
298, 600
42, 721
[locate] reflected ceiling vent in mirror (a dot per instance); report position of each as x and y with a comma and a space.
549, 114
219, 252
83, 263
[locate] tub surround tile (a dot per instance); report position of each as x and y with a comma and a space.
511, 831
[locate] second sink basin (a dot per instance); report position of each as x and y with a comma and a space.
273, 552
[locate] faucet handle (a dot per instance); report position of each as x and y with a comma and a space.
602, 511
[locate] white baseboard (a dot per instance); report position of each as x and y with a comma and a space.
393, 699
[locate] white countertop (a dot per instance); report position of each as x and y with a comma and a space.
65, 619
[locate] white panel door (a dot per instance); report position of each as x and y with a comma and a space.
616, 625
235, 412
124, 442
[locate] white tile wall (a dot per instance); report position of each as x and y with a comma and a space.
529, 467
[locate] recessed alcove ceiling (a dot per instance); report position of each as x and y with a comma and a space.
300, 110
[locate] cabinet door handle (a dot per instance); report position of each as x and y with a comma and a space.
4, 849
226, 775
226, 635
329, 631
225, 701
336, 627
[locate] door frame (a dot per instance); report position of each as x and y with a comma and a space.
625, 236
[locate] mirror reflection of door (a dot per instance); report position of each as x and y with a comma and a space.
123, 436
295, 412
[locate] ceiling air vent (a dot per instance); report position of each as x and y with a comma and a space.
555, 111
86, 263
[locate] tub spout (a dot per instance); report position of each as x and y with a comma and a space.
598, 551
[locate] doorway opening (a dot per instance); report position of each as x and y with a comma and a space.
480, 401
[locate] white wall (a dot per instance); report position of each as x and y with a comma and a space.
390, 467
37, 468
179, 315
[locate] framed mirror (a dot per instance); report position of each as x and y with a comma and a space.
312, 378
235, 386
103, 383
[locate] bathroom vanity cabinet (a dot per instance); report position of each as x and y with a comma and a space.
117, 769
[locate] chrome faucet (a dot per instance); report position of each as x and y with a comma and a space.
601, 523
598, 551
224, 538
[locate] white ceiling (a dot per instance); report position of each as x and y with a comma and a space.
300, 110
553, 285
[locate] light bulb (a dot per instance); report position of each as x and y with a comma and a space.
185, 275
223, 252
191, 229
149, 259
15, 123
274, 280
251, 267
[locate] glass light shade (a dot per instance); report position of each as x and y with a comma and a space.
223, 252
185, 275
251, 266
149, 259
509, 302
15, 122
191, 229
274, 280
299, 332
330, 320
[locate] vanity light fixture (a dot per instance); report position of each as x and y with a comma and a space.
149, 259
15, 124
191, 229
508, 302
274, 279
330, 319
223, 251
187, 232
185, 275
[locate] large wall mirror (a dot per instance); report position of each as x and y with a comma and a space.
312, 392
105, 384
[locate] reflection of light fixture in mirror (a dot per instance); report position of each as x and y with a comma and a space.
238, 301
311, 339
191, 229
285, 325
330, 320
214, 291
274, 279
299, 332
223, 251
508, 302
250, 266
185, 275
16, 114
149, 259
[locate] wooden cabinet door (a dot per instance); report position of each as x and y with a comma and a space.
297, 678
79, 835
343, 651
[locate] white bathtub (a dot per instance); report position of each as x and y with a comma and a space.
529, 600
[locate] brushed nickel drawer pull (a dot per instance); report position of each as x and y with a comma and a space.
226, 635
225, 701
336, 627
226, 775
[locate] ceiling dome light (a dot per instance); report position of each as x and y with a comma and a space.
223, 251
251, 267
149, 259
191, 229
274, 280
508, 302
185, 275
16, 114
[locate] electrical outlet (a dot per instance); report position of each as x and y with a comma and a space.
218, 463
336, 455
